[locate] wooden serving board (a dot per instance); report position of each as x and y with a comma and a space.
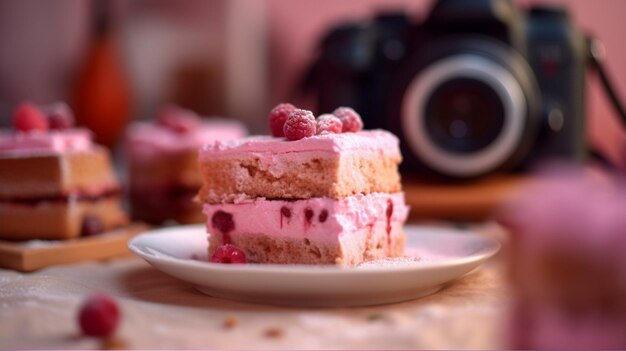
470, 201
26, 256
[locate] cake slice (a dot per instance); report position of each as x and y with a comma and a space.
324, 198
317, 230
55, 184
163, 163
329, 165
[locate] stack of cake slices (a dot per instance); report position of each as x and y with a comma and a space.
325, 198
55, 182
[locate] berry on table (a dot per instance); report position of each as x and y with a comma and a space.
99, 316
350, 119
277, 118
300, 124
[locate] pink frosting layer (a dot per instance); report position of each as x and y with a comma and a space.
76, 139
305, 218
145, 139
371, 141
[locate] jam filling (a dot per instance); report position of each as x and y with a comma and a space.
63, 198
223, 222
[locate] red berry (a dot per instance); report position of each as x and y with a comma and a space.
178, 120
349, 118
59, 115
300, 124
277, 118
228, 253
99, 316
91, 226
328, 123
27, 117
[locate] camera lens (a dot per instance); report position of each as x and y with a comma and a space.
464, 115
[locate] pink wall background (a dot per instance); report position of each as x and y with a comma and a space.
295, 27
42, 45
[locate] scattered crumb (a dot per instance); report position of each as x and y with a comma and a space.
375, 317
392, 262
40, 243
113, 343
274, 333
230, 322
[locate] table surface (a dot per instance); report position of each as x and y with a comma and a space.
38, 310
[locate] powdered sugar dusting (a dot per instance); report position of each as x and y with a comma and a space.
40, 243
391, 262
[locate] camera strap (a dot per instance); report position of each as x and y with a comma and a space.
597, 57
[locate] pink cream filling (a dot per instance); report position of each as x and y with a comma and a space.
371, 142
76, 139
318, 219
145, 139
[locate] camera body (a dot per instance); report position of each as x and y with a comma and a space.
477, 87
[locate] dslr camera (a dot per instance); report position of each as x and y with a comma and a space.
476, 87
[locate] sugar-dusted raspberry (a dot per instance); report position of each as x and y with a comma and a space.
99, 316
328, 123
59, 115
27, 117
178, 119
350, 119
300, 124
228, 253
277, 118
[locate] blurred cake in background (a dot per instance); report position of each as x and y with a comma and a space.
568, 263
55, 182
163, 163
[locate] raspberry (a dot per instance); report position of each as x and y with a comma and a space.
300, 124
277, 118
59, 115
328, 123
91, 226
228, 253
178, 120
349, 118
27, 117
99, 316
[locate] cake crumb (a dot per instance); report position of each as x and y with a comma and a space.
375, 317
113, 343
230, 322
274, 333
391, 262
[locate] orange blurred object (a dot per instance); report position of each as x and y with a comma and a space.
101, 95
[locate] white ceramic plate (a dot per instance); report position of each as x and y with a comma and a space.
444, 255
